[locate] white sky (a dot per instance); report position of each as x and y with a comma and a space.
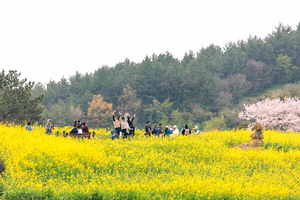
47, 40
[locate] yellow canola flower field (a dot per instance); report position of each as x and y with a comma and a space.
205, 166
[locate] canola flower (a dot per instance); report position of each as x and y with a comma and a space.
205, 166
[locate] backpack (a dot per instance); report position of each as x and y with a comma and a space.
153, 131
186, 131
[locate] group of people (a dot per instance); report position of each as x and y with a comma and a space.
124, 128
48, 126
169, 130
79, 128
123, 125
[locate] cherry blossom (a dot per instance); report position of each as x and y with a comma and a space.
274, 114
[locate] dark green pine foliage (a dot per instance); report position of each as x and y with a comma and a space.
16, 103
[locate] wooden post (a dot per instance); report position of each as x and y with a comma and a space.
57, 134
64, 133
94, 134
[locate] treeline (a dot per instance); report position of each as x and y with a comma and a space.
203, 88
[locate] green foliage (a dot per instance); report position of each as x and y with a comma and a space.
217, 123
231, 117
128, 102
159, 112
284, 69
296, 47
234, 60
62, 114
243, 125
16, 103
37, 90
177, 118
279, 147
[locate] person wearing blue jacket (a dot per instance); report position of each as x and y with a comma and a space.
155, 130
167, 131
28, 126
74, 130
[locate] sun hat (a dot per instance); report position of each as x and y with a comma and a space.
175, 126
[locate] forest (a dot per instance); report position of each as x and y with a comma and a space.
204, 88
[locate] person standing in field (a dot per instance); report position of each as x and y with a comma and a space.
175, 131
130, 123
186, 130
167, 131
28, 126
117, 124
125, 127
196, 130
182, 129
148, 129
155, 130
49, 127
171, 129
160, 130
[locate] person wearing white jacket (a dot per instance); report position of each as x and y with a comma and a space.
125, 127
175, 131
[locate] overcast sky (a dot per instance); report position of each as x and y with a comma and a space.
47, 40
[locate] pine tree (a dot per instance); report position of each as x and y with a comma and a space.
15, 99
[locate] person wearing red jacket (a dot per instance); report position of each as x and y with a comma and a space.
85, 129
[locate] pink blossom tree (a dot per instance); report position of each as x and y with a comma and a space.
274, 114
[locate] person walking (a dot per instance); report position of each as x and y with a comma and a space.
167, 131
160, 130
155, 130
148, 129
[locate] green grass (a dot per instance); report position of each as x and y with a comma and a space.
265, 91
